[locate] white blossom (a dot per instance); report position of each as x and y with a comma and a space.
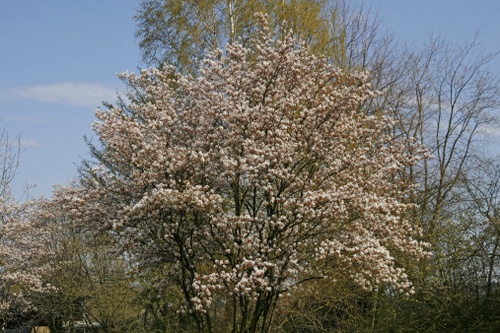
259, 174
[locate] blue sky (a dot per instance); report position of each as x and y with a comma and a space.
58, 61
59, 58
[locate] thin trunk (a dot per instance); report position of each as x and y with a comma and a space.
491, 267
232, 29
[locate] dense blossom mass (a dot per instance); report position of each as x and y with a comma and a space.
262, 173
24, 259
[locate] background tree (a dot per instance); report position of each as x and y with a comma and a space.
24, 255
446, 100
94, 282
180, 32
9, 162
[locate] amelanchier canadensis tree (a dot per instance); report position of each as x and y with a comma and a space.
251, 179
23, 245
24, 263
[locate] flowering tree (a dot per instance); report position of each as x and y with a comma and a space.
24, 262
246, 182
23, 245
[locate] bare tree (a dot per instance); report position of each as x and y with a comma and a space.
446, 102
483, 188
9, 162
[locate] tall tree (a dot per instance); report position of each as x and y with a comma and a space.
446, 101
180, 32
446, 98
252, 179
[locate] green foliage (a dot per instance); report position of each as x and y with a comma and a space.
180, 32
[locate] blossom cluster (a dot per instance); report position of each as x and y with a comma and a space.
24, 257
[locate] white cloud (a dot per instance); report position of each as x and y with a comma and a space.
29, 143
72, 93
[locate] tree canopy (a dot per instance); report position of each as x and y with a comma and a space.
253, 178
180, 32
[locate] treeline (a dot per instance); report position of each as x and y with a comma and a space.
313, 176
